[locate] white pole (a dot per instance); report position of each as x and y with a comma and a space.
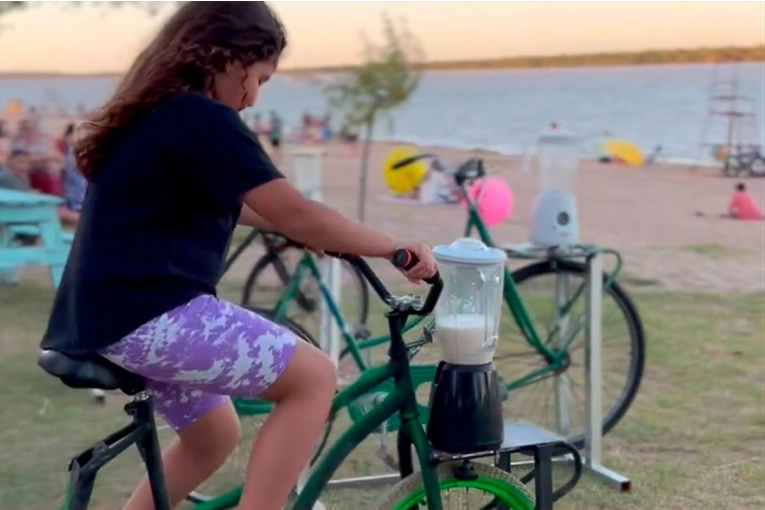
307, 163
308, 179
593, 445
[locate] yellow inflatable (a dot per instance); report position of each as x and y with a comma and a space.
13, 108
407, 178
629, 153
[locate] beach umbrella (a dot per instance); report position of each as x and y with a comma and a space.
626, 152
406, 178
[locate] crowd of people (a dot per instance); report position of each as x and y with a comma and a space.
312, 130
32, 160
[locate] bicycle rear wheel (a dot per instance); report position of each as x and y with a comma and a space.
622, 355
252, 413
269, 277
486, 488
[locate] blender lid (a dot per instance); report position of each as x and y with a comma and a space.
469, 251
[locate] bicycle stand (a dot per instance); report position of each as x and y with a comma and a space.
142, 433
593, 448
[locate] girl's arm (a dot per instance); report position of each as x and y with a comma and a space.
309, 222
250, 218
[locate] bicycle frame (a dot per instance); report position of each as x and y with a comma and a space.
233, 256
308, 266
401, 399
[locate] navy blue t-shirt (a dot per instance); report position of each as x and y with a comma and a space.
156, 222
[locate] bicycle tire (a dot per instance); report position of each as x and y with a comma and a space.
306, 303
200, 497
506, 489
634, 324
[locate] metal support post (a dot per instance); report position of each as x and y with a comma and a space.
562, 381
329, 336
593, 449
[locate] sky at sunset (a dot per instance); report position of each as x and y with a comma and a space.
96, 39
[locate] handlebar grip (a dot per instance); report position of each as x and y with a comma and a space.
405, 162
405, 259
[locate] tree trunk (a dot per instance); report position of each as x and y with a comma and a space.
362, 203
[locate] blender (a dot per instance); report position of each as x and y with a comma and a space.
554, 222
466, 396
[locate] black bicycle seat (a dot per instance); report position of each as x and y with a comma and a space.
91, 372
469, 170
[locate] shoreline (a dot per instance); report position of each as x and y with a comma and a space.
549, 62
57, 123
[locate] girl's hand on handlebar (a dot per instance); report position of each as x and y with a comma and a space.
426, 265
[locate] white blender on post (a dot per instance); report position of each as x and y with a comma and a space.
466, 397
554, 223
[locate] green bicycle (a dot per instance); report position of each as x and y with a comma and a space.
489, 487
532, 361
529, 359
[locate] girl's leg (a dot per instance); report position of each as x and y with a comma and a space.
200, 450
303, 396
209, 348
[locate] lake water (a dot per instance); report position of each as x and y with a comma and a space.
502, 110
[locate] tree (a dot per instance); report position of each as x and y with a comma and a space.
365, 94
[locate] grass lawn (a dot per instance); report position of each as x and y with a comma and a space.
694, 438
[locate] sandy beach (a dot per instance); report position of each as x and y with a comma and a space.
647, 214
650, 215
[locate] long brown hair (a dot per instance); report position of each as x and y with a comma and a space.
195, 44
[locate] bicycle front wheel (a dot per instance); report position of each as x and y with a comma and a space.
556, 399
486, 487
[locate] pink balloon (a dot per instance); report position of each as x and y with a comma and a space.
496, 201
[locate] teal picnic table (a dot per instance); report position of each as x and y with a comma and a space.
31, 215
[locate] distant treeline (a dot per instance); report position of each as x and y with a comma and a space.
651, 57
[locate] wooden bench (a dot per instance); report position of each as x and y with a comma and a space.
31, 215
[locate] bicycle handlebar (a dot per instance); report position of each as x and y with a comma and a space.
465, 172
413, 159
402, 259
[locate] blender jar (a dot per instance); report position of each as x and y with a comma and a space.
468, 312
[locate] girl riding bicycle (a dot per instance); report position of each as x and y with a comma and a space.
172, 169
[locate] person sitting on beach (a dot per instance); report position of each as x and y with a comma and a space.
73, 184
275, 135
14, 175
654, 156
742, 206
33, 143
258, 127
